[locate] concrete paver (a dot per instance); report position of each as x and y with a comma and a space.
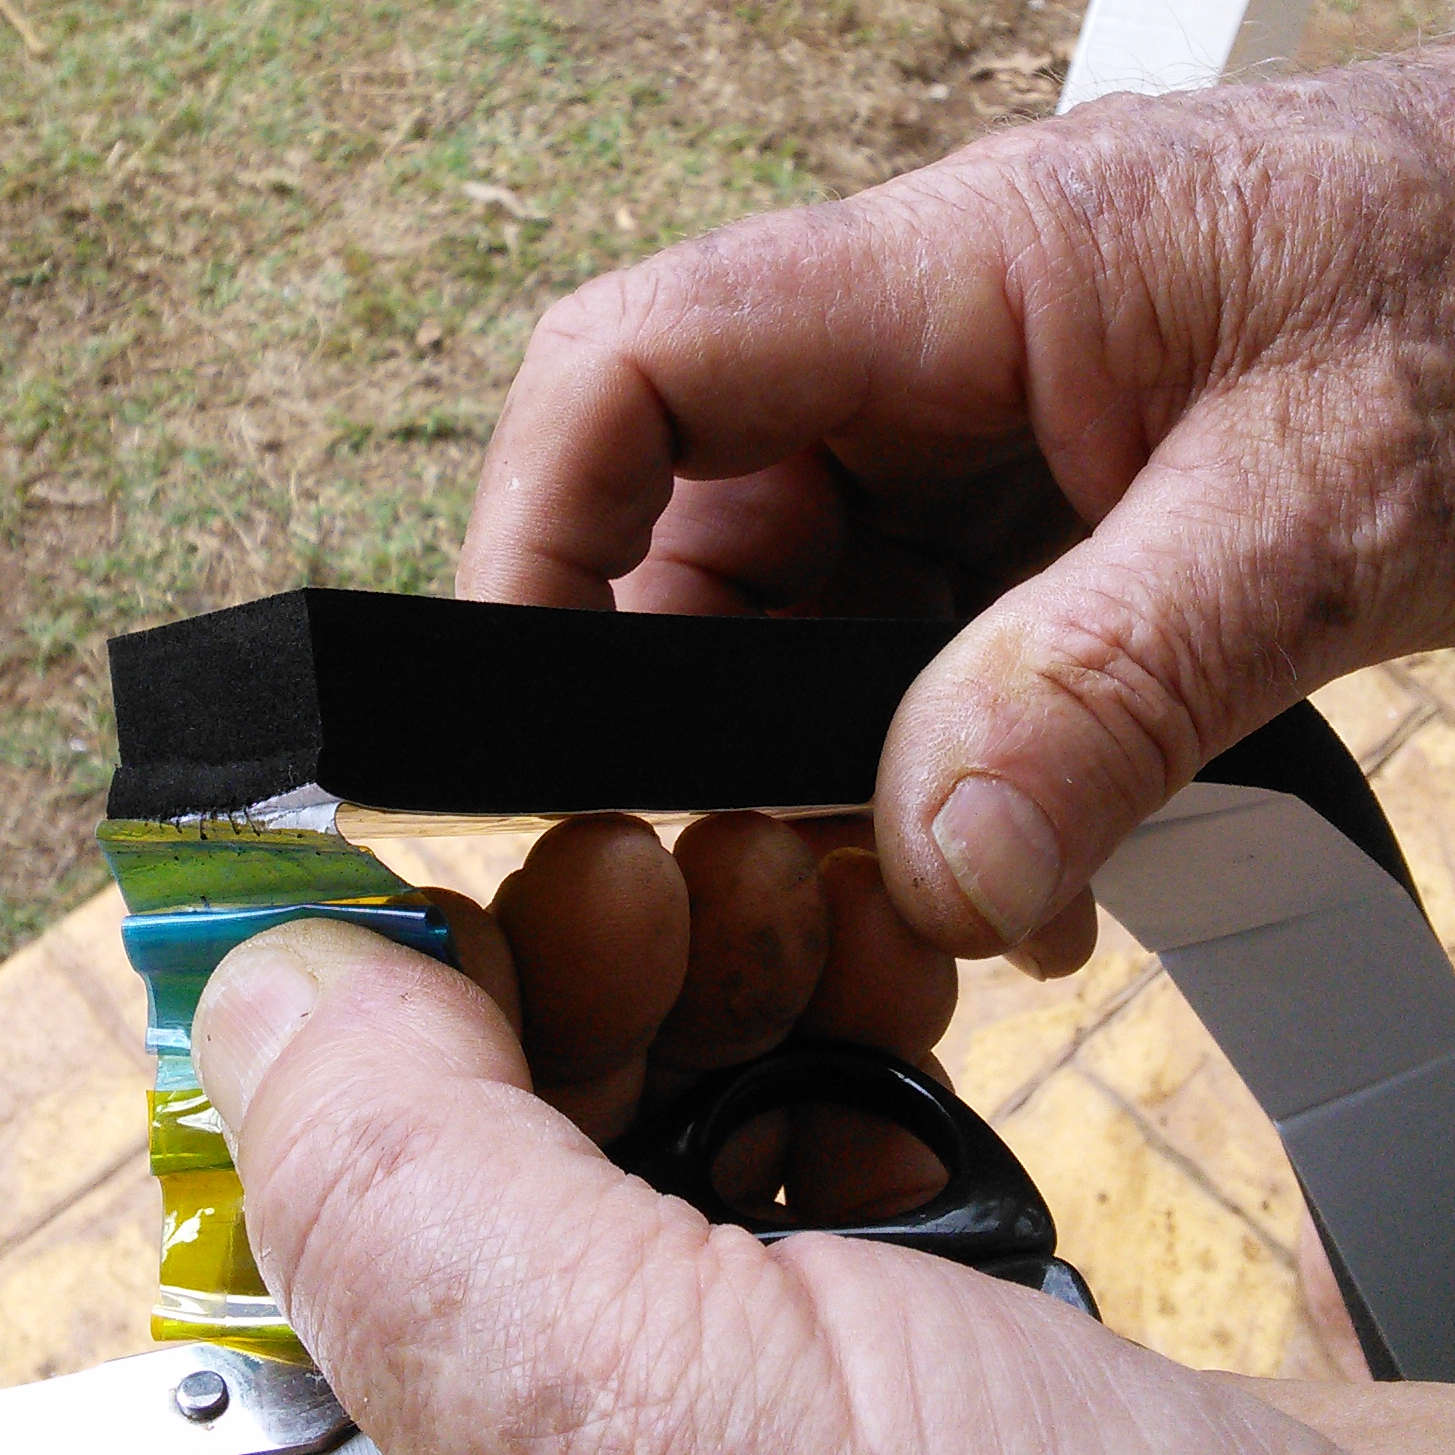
1173, 1265
1011, 1032
1374, 711
113, 992
1157, 1061
1416, 786
1433, 673
80, 1288
72, 1099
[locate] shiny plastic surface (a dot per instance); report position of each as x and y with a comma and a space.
222, 863
175, 953
196, 891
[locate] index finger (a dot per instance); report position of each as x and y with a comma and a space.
721, 356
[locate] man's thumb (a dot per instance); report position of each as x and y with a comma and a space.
1063, 715
468, 1270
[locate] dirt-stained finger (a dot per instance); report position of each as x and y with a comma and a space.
843, 1165
828, 832
882, 985
759, 935
597, 921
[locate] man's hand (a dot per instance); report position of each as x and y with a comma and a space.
1180, 373
473, 1275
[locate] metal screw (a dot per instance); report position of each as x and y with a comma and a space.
202, 1395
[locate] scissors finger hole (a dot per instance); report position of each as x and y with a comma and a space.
822, 1164
747, 1171
986, 1207
847, 1166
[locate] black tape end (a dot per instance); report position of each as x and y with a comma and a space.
215, 712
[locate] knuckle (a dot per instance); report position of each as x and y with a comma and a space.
1086, 187
600, 313
1108, 250
325, 1209
631, 312
1141, 688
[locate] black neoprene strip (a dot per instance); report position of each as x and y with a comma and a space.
463, 707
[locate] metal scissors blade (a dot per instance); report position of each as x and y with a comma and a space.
194, 1399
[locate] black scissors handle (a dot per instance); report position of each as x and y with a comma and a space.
989, 1215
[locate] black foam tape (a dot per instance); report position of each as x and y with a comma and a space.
449, 706
419, 703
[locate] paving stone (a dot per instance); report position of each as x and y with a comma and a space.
1158, 1057
1417, 789
81, 1289
1369, 710
72, 1101
1171, 1264
85, 947
1009, 1031
1434, 672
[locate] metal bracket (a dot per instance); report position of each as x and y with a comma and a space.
194, 1399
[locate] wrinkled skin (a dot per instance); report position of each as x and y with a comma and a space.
1162, 390
1216, 329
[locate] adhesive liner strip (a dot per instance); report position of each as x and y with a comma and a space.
1321, 980
176, 952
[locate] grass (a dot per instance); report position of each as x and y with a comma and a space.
255, 327
1346, 30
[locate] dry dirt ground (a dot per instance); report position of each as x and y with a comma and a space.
266, 268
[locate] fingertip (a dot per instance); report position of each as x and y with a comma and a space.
253, 1005
597, 921
605, 1106
883, 984
1002, 850
850, 868
925, 893
481, 949
1062, 945
309, 1003
835, 831
1031, 745
758, 941
847, 1165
